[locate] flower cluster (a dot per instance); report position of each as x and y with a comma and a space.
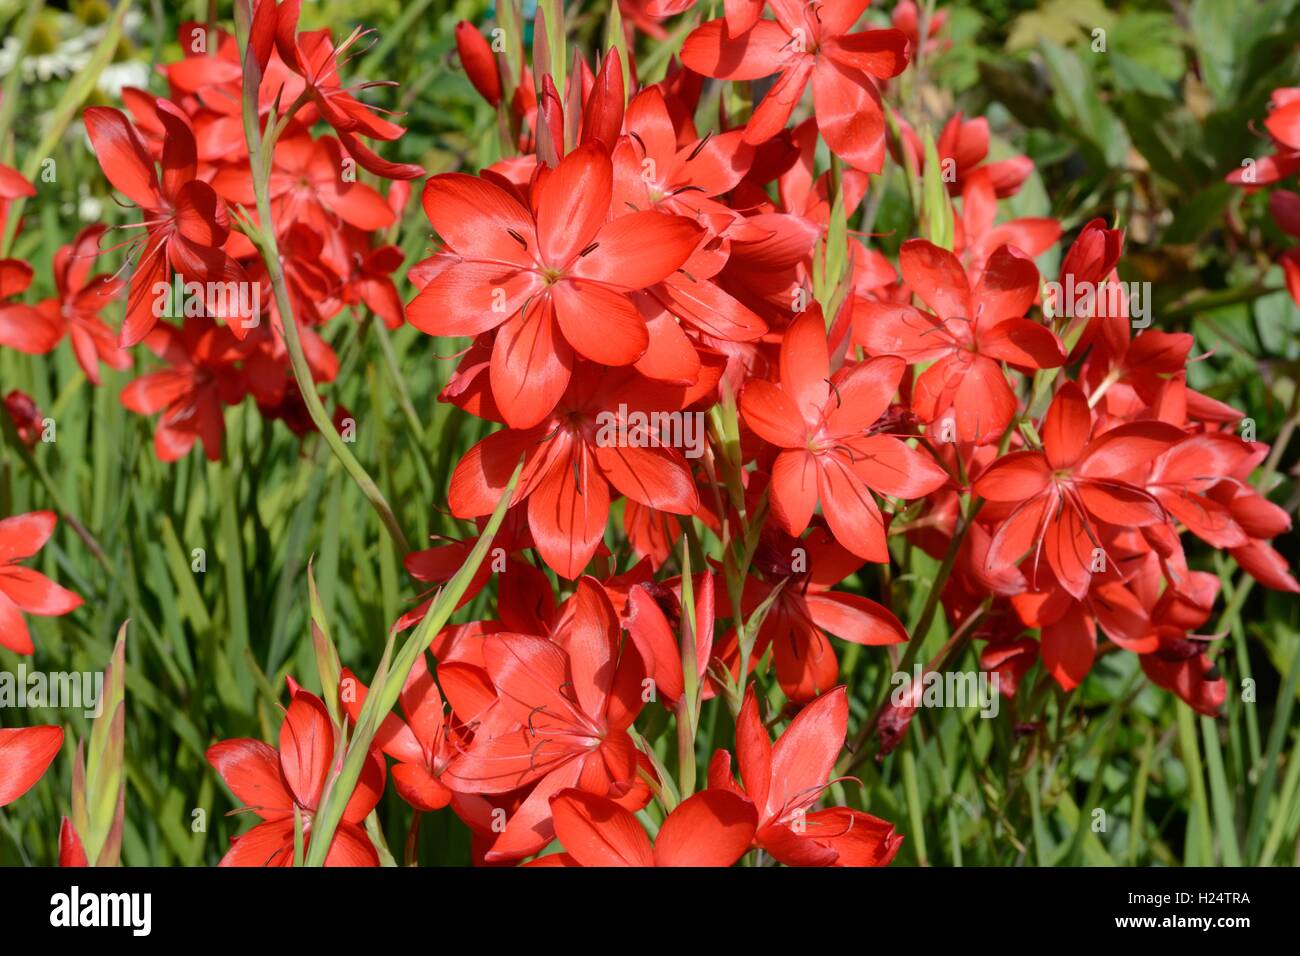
200, 295
627, 263
719, 418
1283, 126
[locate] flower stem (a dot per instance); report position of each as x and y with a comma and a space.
264, 237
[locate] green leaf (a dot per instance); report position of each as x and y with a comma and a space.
98, 801
1077, 97
387, 685
327, 656
936, 206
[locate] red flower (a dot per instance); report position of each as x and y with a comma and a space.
479, 62
555, 279
809, 41
25, 590
906, 17
1068, 627
81, 297
1180, 663
13, 185
653, 170
23, 327
965, 145
1081, 477
711, 828
740, 14
185, 221
560, 719
25, 754
370, 282
307, 187
785, 780
314, 57
421, 744
807, 610
824, 426
654, 623
569, 467
272, 784
978, 234
1283, 125
71, 850
971, 332
191, 393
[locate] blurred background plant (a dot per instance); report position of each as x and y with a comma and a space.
1134, 112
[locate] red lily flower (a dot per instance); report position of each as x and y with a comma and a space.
568, 468
1081, 477
1261, 520
1283, 125
824, 426
809, 41
25, 590
369, 280
420, 744
653, 170
654, 623
978, 235
1185, 478
970, 333
272, 784
711, 828
785, 780
965, 143
191, 393
652, 534
23, 327
806, 612
307, 187
1180, 663
740, 14
80, 299
25, 754
556, 280
314, 57
907, 17
13, 185
208, 85
1068, 627
185, 221
560, 719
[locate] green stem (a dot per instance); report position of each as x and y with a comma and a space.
388, 683
264, 237
412, 854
